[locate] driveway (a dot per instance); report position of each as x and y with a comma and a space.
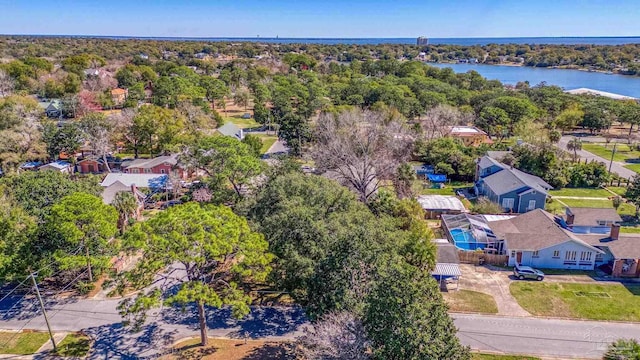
616, 167
495, 283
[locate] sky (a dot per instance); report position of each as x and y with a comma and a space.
328, 18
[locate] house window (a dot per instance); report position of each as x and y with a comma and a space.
532, 205
570, 257
161, 171
134, 171
513, 253
147, 171
536, 254
585, 256
599, 258
556, 253
507, 203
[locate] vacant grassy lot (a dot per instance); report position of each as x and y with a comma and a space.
478, 356
224, 349
242, 123
581, 192
634, 167
620, 190
470, 301
582, 301
623, 152
588, 203
24, 343
74, 345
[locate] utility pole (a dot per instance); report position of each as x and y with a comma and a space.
44, 311
613, 152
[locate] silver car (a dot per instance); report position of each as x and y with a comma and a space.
526, 272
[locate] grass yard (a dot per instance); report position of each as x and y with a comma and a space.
623, 152
581, 192
587, 203
74, 345
582, 301
634, 167
242, 123
422, 188
23, 343
219, 349
470, 301
554, 207
267, 141
480, 356
620, 190
630, 229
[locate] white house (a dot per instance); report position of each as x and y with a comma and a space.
60, 166
537, 239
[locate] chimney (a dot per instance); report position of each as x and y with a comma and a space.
134, 189
615, 231
570, 219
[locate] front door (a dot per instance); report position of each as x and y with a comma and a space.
519, 257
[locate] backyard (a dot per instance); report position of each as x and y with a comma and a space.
420, 187
581, 301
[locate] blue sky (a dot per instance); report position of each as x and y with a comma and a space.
329, 18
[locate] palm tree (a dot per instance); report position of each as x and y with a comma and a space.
126, 205
574, 144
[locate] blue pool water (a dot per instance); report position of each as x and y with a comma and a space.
465, 241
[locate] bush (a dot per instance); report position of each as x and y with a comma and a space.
623, 349
486, 206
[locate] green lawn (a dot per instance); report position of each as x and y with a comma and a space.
634, 167
422, 188
471, 301
623, 152
479, 356
554, 207
582, 301
74, 345
22, 343
630, 229
604, 203
620, 190
581, 192
267, 141
242, 123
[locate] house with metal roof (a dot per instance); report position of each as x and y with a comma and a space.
436, 205
152, 181
59, 166
232, 130
515, 190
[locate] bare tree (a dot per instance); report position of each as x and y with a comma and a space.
361, 149
6, 84
97, 132
337, 336
437, 122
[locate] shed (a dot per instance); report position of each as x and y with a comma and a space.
436, 205
447, 263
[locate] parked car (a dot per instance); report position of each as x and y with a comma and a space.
526, 272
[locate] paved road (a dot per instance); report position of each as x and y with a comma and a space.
616, 167
99, 318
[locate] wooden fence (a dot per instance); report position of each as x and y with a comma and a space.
479, 258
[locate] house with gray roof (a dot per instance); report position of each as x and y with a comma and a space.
537, 239
52, 108
232, 130
515, 190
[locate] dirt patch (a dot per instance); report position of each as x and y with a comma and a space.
219, 349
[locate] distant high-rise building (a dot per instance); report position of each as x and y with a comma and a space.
423, 41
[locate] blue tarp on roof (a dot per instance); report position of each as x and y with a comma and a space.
437, 177
424, 170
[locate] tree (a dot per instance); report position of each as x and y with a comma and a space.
406, 318
97, 131
20, 132
403, 180
126, 205
574, 145
216, 249
337, 336
363, 148
83, 220
227, 161
241, 98
486, 206
17, 230
554, 136
437, 122
623, 349
617, 201
254, 142
633, 192
569, 117
495, 120
66, 139
6, 84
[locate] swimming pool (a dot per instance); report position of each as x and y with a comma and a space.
464, 240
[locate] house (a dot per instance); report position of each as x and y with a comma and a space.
470, 135
232, 130
30, 165
91, 73
119, 96
591, 220
515, 190
90, 165
436, 205
621, 253
150, 181
167, 164
60, 166
52, 108
109, 194
537, 239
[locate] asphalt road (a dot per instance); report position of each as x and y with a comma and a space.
100, 319
616, 167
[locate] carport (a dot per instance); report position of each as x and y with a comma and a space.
447, 263
445, 271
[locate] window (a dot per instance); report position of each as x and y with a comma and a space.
513, 253
556, 253
134, 171
507, 203
532, 205
161, 171
536, 254
585, 256
147, 171
599, 257
570, 257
